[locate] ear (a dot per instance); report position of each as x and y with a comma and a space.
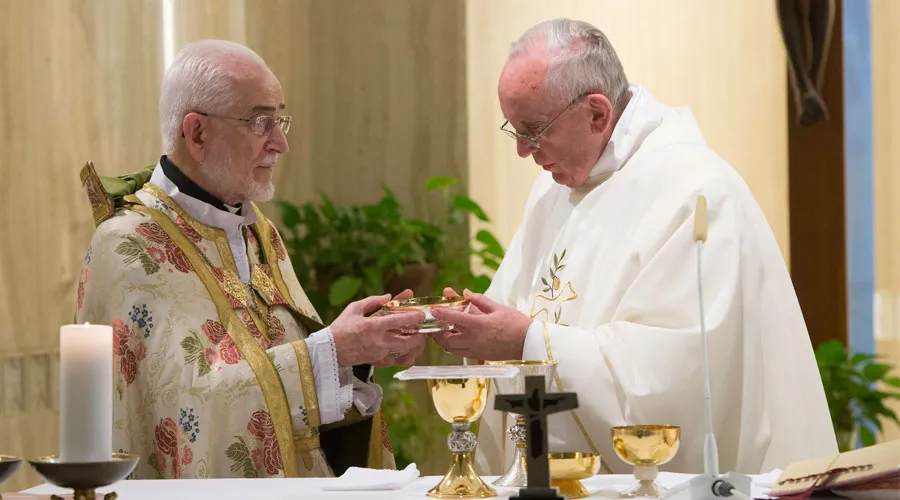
196, 136
601, 113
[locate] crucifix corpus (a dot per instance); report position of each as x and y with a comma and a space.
534, 406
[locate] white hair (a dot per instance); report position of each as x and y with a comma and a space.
580, 59
202, 77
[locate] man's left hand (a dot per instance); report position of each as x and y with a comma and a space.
409, 357
497, 334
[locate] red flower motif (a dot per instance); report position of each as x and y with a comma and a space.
192, 235
187, 456
178, 258
257, 456
276, 329
280, 251
166, 438
121, 334
272, 456
153, 232
141, 352
254, 331
157, 255
129, 366
211, 356
228, 352
260, 425
214, 331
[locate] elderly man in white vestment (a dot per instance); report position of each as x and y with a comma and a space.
601, 275
222, 366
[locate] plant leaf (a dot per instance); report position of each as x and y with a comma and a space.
463, 202
491, 263
290, 215
876, 371
440, 182
866, 436
831, 353
343, 290
150, 265
240, 455
860, 357
491, 245
892, 381
480, 284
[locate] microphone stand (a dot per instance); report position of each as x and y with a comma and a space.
710, 484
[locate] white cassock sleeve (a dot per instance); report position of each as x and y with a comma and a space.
336, 387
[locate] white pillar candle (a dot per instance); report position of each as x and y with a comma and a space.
85, 393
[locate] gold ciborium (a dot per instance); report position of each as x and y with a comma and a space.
568, 469
646, 447
426, 304
516, 474
460, 401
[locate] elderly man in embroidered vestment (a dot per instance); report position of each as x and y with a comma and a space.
222, 366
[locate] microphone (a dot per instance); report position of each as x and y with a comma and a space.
710, 484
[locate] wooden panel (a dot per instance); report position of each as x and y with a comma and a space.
724, 60
78, 81
817, 214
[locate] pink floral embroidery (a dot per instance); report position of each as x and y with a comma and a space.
129, 349
280, 251
262, 428
214, 331
211, 356
157, 255
178, 258
276, 329
85, 277
228, 352
153, 232
192, 235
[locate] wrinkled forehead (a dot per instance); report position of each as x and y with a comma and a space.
257, 92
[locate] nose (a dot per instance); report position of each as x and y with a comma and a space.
524, 148
278, 141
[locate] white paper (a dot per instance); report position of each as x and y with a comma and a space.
455, 371
359, 479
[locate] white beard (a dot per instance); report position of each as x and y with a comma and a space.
220, 170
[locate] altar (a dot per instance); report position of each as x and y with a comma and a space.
599, 486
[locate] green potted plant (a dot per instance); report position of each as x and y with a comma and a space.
856, 388
345, 253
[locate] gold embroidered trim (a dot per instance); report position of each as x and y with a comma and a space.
101, 206
213, 234
267, 376
308, 439
559, 384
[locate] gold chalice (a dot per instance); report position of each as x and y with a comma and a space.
516, 474
426, 304
460, 401
646, 447
568, 469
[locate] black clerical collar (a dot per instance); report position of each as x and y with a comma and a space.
189, 187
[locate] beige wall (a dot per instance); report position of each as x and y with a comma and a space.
78, 81
724, 60
886, 96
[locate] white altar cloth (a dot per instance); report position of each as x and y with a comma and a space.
600, 486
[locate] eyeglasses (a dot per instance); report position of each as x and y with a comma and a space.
533, 139
260, 125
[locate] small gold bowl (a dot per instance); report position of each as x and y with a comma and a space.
645, 447
426, 304
568, 469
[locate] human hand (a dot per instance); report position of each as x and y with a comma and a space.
410, 357
490, 331
363, 338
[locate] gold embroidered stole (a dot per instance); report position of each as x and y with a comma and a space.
267, 376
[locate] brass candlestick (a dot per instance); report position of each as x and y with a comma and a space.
8, 466
516, 474
85, 477
646, 447
460, 402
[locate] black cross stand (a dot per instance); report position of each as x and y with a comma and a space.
534, 406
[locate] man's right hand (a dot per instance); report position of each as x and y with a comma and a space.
363, 339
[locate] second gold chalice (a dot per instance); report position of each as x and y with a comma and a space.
646, 447
460, 402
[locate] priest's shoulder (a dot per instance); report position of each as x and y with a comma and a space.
122, 223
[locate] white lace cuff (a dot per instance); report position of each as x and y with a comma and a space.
333, 401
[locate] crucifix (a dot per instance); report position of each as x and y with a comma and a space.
534, 406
